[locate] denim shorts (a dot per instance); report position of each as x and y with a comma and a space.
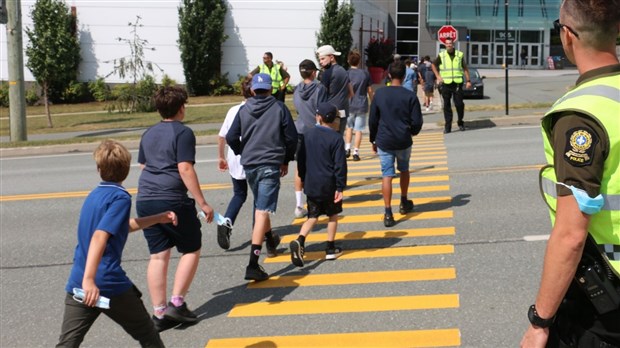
357, 121
186, 235
264, 181
387, 158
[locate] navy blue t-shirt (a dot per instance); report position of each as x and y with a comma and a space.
162, 148
106, 208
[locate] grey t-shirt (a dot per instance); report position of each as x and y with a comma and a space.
337, 87
360, 80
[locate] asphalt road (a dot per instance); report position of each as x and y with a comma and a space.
475, 274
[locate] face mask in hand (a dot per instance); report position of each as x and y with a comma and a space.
587, 205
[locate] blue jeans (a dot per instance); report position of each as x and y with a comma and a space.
387, 158
264, 182
240, 194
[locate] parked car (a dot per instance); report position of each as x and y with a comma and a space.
477, 85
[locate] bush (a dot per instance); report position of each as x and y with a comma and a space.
145, 90
100, 90
32, 95
77, 92
220, 86
166, 81
127, 98
4, 94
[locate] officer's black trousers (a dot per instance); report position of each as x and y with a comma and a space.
448, 92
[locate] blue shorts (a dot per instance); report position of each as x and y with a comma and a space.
186, 235
264, 181
387, 161
357, 121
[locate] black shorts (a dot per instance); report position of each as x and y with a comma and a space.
186, 235
300, 138
318, 207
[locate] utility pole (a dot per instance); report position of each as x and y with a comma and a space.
506, 50
17, 102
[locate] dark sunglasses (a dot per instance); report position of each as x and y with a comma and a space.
557, 25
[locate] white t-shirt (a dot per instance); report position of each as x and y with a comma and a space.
234, 161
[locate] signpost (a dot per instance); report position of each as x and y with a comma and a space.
447, 32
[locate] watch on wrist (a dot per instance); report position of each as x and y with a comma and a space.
469, 81
537, 321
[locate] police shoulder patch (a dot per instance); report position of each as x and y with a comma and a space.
580, 143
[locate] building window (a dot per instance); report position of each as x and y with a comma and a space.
408, 20
480, 35
405, 48
530, 36
408, 6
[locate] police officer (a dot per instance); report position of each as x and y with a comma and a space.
578, 299
279, 76
449, 68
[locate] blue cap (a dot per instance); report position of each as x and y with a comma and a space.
327, 111
261, 81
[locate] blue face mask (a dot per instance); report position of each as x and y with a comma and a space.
586, 204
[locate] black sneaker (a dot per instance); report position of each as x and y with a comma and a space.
163, 323
223, 236
388, 220
462, 128
255, 273
406, 207
348, 153
356, 157
297, 253
180, 314
332, 254
272, 245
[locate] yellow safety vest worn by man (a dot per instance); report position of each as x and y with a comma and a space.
274, 72
601, 98
451, 67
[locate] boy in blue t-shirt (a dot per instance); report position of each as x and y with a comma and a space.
103, 229
322, 167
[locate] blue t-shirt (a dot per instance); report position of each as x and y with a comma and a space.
106, 208
360, 80
162, 148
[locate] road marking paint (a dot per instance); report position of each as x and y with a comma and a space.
77, 194
413, 339
376, 165
353, 219
397, 233
536, 238
412, 170
378, 202
409, 275
413, 179
357, 192
371, 253
345, 305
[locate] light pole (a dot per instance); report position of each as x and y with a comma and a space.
506, 50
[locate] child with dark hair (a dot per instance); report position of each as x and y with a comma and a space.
322, 167
358, 106
103, 230
167, 155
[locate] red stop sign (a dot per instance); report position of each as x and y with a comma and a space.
447, 32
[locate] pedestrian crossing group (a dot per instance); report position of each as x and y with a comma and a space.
363, 204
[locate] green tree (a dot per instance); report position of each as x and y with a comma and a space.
53, 50
201, 35
336, 24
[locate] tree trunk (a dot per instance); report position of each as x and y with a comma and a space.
47, 106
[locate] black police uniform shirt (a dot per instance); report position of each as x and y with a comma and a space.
580, 146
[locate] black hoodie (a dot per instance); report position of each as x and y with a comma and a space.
263, 133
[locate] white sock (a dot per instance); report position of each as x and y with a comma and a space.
298, 197
356, 151
347, 146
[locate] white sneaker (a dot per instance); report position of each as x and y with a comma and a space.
428, 109
300, 212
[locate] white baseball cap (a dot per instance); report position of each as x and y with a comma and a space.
327, 50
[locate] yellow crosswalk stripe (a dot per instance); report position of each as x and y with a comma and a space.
408, 275
78, 194
413, 339
411, 169
395, 202
360, 192
345, 305
320, 236
376, 164
371, 253
413, 179
353, 219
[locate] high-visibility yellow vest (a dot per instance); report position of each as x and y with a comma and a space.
276, 78
451, 70
599, 99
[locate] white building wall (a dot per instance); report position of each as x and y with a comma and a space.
287, 28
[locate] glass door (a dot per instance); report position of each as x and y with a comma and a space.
529, 55
499, 54
480, 54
